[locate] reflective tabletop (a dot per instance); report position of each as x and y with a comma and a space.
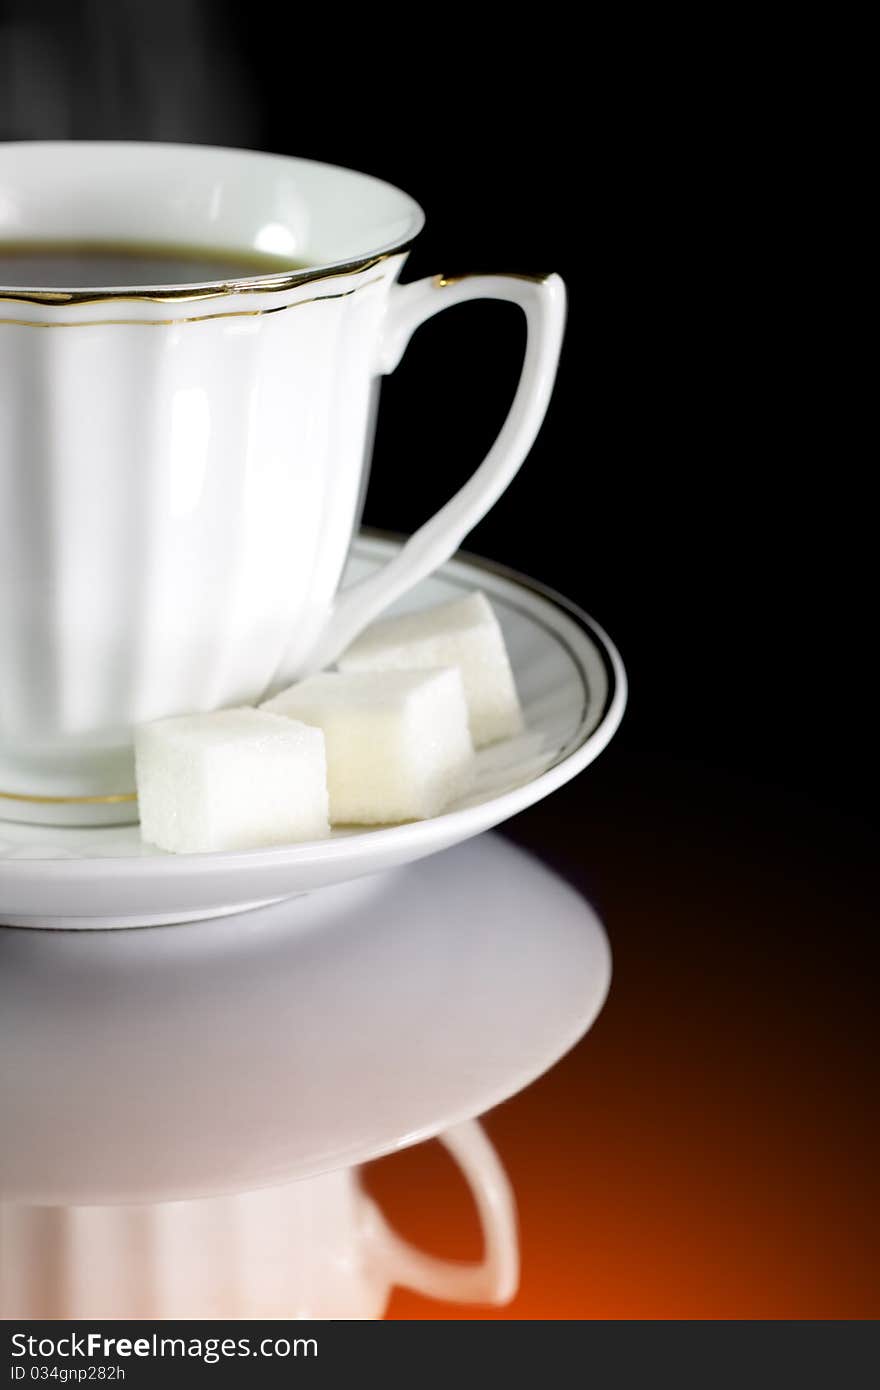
170, 1062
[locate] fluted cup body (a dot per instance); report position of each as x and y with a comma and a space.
182, 467
180, 472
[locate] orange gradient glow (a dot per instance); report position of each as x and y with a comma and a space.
710, 1149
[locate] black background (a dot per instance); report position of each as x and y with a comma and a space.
698, 486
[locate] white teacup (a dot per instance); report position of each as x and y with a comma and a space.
182, 470
319, 1248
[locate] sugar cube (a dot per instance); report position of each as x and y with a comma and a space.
464, 633
398, 746
234, 779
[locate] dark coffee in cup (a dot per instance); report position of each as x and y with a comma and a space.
90, 265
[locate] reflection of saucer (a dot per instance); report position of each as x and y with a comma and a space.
222, 1056
573, 690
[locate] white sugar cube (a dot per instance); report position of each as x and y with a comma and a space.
234, 779
398, 746
464, 633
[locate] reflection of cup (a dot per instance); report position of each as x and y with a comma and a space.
319, 1248
181, 470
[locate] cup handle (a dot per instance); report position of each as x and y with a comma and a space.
542, 300
493, 1279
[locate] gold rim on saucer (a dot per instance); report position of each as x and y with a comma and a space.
69, 800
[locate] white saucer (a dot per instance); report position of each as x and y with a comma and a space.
573, 688
225, 1056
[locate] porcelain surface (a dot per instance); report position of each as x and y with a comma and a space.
573, 689
182, 470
